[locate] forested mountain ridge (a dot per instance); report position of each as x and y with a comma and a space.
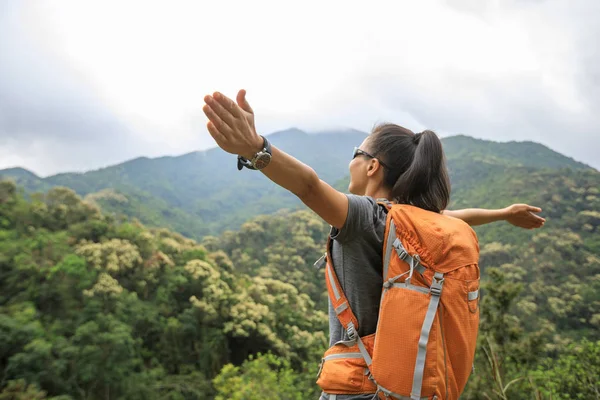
98, 307
203, 193
513, 153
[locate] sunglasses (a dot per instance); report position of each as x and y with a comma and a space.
358, 152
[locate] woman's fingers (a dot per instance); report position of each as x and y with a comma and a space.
532, 221
533, 214
534, 217
224, 114
537, 218
242, 102
215, 118
214, 132
228, 105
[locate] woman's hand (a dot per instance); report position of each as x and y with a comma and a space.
522, 215
232, 125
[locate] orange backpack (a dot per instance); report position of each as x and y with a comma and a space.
426, 334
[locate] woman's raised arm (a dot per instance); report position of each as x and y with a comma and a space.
232, 127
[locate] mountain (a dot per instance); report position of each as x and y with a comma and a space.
515, 154
27, 179
202, 192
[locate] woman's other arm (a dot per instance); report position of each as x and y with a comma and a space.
521, 215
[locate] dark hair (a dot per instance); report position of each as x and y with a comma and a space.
417, 173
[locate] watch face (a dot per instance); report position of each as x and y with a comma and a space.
262, 160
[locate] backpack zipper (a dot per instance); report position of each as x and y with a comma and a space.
342, 355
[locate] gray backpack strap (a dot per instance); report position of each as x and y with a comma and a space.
388, 248
436, 292
414, 261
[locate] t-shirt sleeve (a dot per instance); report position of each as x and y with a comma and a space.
361, 219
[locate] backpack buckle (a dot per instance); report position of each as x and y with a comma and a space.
351, 331
402, 253
437, 284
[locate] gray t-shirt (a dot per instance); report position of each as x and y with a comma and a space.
357, 259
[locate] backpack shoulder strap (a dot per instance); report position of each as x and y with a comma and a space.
342, 308
384, 202
388, 243
337, 296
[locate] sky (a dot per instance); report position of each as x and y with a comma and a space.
87, 84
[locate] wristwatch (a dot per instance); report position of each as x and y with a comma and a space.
260, 159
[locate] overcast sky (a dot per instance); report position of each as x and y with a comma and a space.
87, 84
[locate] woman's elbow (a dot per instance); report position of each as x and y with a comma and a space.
309, 185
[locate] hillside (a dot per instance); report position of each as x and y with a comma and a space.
97, 308
516, 154
203, 193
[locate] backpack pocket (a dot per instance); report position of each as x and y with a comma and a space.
460, 319
404, 308
343, 369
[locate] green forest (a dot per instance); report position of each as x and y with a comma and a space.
96, 304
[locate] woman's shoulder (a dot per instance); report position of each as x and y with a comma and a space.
369, 205
365, 216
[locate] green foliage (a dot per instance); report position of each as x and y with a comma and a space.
20, 390
95, 305
573, 375
96, 308
283, 246
265, 377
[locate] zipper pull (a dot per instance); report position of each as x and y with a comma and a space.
320, 263
320, 368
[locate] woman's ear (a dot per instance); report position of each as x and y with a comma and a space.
373, 167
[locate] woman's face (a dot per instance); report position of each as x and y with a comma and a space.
358, 171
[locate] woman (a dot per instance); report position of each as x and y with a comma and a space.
392, 163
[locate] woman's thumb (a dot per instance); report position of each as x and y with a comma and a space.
242, 102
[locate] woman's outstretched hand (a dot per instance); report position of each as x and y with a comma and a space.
522, 215
231, 124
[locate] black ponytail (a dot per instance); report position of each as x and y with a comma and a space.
417, 173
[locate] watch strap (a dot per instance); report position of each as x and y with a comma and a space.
244, 162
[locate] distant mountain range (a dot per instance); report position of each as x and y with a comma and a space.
203, 193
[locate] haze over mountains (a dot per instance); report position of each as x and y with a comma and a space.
202, 193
